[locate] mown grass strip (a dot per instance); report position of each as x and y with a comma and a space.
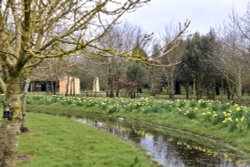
57, 141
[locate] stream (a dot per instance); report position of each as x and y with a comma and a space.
166, 149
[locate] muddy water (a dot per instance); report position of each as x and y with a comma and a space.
166, 150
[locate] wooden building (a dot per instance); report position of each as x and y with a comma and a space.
65, 85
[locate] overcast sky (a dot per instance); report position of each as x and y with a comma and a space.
158, 14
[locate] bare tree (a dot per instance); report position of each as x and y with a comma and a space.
33, 30
170, 73
126, 39
152, 73
232, 58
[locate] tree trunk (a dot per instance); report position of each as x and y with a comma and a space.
194, 88
171, 89
55, 87
111, 93
198, 87
73, 87
117, 92
67, 86
139, 90
239, 86
187, 89
107, 91
153, 89
211, 90
24, 128
10, 127
171, 82
223, 88
230, 90
110, 82
52, 87
47, 87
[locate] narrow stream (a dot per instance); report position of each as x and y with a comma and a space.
166, 150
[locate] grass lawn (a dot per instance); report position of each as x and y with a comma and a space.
57, 141
240, 140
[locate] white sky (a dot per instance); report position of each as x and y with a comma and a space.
158, 14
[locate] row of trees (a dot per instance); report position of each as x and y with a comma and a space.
218, 60
214, 63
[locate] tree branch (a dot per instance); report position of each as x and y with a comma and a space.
3, 85
174, 43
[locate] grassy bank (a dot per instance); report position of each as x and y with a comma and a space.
225, 122
60, 142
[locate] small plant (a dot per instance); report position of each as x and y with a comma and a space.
192, 104
217, 117
203, 104
225, 107
191, 114
182, 104
215, 107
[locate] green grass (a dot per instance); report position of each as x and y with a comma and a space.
57, 141
240, 140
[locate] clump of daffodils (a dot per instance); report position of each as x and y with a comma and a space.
233, 116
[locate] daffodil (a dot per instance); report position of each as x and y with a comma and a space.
242, 119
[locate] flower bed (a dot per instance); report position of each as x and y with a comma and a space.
232, 116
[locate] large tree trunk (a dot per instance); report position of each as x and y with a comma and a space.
10, 128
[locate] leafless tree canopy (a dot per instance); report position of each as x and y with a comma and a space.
33, 30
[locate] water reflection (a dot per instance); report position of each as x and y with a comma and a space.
166, 150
